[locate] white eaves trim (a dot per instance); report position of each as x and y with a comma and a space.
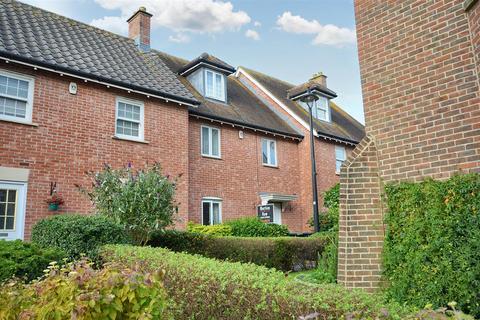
271, 96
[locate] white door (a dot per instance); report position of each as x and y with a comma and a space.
277, 213
12, 210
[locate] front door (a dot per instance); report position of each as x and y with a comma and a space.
12, 210
277, 213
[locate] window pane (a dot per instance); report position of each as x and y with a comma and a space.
339, 153
3, 208
3, 84
206, 213
338, 164
12, 86
128, 128
218, 87
215, 143
3, 196
273, 160
209, 84
2, 223
11, 209
321, 114
205, 140
264, 151
216, 213
9, 223
12, 195
12, 107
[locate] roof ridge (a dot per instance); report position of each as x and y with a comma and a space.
266, 75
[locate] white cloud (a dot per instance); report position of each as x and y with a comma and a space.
179, 38
181, 16
324, 34
252, 34
257, 24
113, 24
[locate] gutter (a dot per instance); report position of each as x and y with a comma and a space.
97, 79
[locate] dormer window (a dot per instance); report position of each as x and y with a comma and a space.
321, 111
214, 85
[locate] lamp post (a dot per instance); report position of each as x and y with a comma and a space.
310, 99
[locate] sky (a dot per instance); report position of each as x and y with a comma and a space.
287, 39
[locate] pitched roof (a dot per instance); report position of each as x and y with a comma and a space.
33, 35
343, 126
301, 89
208, 59
241, 107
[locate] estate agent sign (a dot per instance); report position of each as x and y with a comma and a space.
265, 213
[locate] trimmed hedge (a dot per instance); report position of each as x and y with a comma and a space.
77, 291
25, 260
210, 289
282, 253
432, 245
78, 234
253, 227
216, 229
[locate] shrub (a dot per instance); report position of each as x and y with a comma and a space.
216, 229
78, 234
282, 253
141, 200
432, 244
253, 227
80, 292
25, 260
210, 289
326, 271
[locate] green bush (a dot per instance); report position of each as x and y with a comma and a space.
210, 289
78, 234
432, 245
282, 253
25, 260
216, 229
141, 200
253, 227
80, 292
326, 271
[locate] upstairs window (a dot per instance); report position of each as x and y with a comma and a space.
211, 211
269, 152
214, 85
340, 157
16, 96
320, 110
129, 119
210, 138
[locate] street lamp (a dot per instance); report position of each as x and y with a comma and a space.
309, 99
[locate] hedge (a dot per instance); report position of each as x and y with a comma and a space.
204, 288
243, 227
80, 292
432, 245
78, 234
25, 260
282, 253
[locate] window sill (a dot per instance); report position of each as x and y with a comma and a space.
211, 157
25, 123
131, 140
270, 166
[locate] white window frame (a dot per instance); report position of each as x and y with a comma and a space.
268, 164
337, 147
210, 144
28, 100
211, 201
224, 91
140, 122
21, 202
327, 110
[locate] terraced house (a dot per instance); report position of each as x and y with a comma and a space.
73, 97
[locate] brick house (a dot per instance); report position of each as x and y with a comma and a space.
73, 97
420, 70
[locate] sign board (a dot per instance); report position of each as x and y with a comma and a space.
265, 213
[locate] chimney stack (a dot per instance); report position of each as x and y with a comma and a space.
320, 78
139, 29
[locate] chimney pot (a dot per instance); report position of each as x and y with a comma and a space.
139, 29
320, 78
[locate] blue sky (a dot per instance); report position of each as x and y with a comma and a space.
288, 39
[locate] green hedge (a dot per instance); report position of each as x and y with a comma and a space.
210, 289
432, 245
78, 234
282, 253
216, 229
243, 227
77, 291
25, 260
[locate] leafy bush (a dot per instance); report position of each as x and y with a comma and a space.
432, 245
326, 271
78, 234
282, 253
210, 289
141, 200
80, 292
253, 227
216, 229
25, 260
328, 220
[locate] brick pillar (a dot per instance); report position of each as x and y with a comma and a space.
361, 219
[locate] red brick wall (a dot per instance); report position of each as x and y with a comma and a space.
74, 135
422, 107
